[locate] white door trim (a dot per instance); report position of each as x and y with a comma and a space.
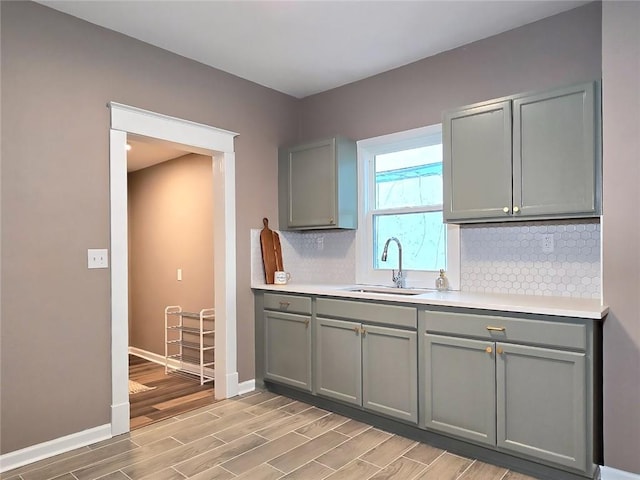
197, 138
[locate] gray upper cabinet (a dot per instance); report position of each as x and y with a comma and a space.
524, 157
317, 185
477, 161
555, 153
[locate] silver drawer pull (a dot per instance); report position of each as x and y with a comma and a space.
284, 304
496, 329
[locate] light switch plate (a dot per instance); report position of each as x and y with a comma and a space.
98, 258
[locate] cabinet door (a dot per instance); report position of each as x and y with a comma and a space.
312, 184
459, 397
555, 156
338, 360
477, 162
390, 372
541, 403
287, 356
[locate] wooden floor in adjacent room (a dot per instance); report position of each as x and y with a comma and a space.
174, 394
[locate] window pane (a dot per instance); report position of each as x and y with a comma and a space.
422, 236
409, 178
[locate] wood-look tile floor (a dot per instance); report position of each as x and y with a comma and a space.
260, 436
174, 394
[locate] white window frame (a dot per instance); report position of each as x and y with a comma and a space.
365, 273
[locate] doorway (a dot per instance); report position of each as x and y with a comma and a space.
195, 138
170, 231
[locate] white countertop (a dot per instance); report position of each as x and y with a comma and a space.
558, 306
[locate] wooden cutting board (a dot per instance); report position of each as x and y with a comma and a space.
271, 251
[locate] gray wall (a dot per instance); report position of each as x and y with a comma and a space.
570, 47
552, 52
170, 227
58, 73
621, 232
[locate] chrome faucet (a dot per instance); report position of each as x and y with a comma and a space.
399, 279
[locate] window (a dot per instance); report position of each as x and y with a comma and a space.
400, 193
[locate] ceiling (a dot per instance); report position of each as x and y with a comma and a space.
146, 152
305, 47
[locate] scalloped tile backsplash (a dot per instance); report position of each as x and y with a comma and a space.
495, 258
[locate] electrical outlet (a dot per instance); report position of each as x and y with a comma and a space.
97, 258
547, 243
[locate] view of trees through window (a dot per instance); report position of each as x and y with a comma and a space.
408, 205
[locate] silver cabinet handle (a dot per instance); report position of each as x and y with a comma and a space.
516, 209
284, 304
505, 209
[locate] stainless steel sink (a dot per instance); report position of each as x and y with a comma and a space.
387, 290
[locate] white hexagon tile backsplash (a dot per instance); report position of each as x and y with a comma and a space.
510, 258
495, 258
323, 257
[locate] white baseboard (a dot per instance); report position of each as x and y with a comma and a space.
246, 387
173, 363
228, 387
608, 473
120, 418
152, 357
31, 454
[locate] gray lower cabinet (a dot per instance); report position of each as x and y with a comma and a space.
338, 352
460, 388
497, 390
287, 342
524, 385
527, 156
370, 366
390, 372
288, 349
541, 403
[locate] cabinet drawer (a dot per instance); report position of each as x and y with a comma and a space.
287, 303
368, 312
504, 329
